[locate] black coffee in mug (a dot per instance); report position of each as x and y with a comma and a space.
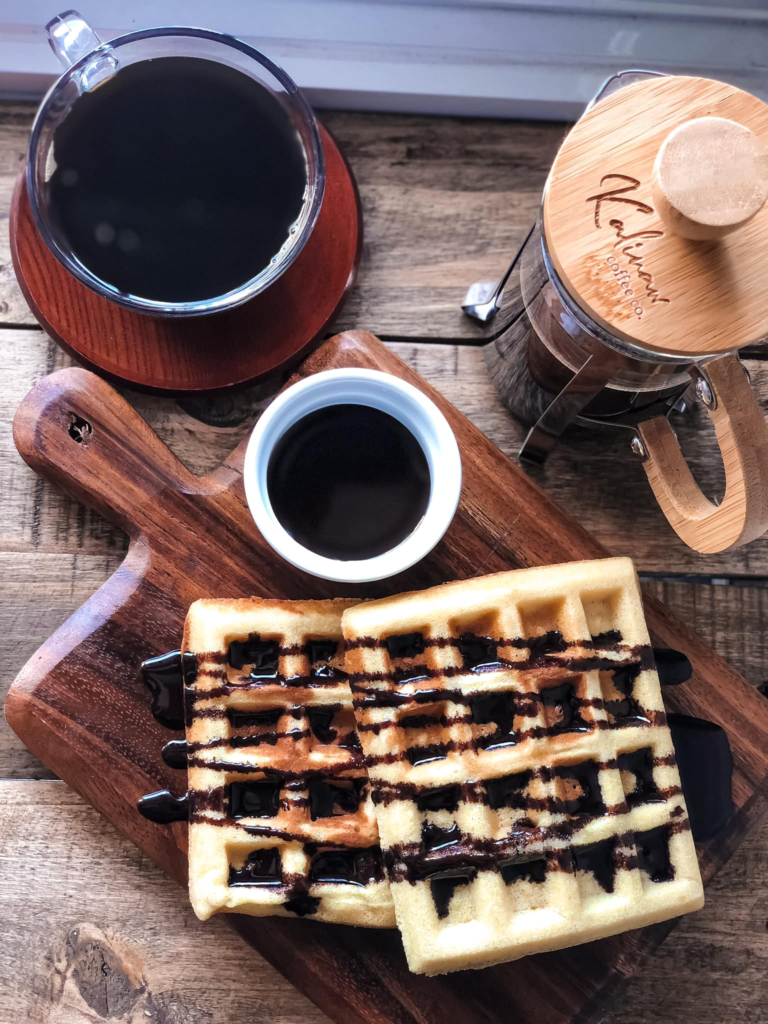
349, 482
178, 179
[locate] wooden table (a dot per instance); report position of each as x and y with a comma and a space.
91, 931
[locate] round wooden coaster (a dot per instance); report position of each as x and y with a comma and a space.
203, 354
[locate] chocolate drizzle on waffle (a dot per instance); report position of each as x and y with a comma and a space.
418, 862
261, 867
278, 786
257, 800
254, 662
500, 710
163, 808
327, 865
519, 760
168, 677
175, 753
459, 861
505, 770
330, 865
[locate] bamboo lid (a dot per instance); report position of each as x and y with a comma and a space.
654, 215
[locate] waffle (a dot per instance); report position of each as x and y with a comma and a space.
522, 771
281, 818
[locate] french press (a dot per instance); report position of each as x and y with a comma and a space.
638, 284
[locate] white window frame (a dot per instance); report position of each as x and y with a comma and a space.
540, 59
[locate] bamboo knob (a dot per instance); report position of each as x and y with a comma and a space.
709, 178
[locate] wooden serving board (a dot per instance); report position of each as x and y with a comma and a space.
80, 704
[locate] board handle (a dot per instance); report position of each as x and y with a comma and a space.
79, 433
742, 435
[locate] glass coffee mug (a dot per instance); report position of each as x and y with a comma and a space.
174, 171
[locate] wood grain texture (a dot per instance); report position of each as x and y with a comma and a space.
111, 933
581, 474
709, 177
99, 904
15, 122
79, 704
742, 436
111, 938
173, 355
599, 221
39, 592
445, 202
58, 552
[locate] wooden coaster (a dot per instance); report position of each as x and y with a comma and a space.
203, 354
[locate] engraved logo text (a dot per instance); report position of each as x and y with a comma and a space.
627, 262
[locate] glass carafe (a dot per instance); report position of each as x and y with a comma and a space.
553, 363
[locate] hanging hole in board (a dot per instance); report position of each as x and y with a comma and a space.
80, 430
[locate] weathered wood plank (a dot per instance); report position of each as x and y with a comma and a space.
15, 121
732, 619
111, 938
93, 932
56, 553
38, 592
445, 202
582, 474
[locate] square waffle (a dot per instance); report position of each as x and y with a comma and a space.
522, 771
281, 818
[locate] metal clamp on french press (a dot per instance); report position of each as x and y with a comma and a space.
642, 278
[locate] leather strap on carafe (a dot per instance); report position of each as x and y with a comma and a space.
742, 435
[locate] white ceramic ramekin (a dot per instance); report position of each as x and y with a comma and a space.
381, 391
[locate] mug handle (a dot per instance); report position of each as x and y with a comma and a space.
742, 435
72, 39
